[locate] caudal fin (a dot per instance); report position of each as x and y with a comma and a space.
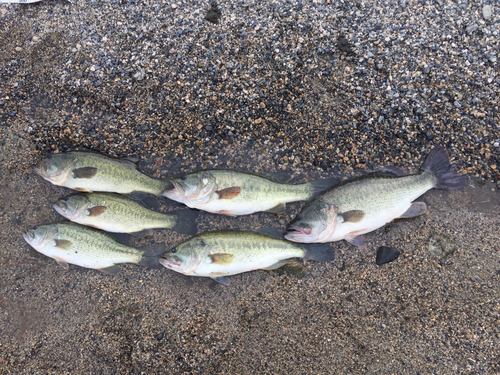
186, 221
318, 186
151, 256
438, 163
319, 252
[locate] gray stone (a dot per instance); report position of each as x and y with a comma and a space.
471, 28
487, 12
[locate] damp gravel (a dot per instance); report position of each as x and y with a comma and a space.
300, 89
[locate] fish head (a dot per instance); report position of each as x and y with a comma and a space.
194, 188
56, 168
73, 207
316, 223
185, 257
41, 236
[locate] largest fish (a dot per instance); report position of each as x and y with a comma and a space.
233, 193
366, 203
86, 171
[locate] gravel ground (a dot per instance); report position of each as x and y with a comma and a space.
305, 88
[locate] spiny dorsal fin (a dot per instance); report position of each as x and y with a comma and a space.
85, 172
229, 193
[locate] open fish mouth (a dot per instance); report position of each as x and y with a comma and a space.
29, 235
169, 263
296, 230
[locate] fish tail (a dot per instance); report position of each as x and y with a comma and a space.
438, 163
150, 257
319, 252
185, 221
320, 185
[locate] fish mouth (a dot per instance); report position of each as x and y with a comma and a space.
169, 263
296, 234
29, 235
60, 209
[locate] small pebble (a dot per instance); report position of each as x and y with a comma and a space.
386, 254
471, 28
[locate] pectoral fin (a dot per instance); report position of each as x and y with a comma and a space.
221, 279
63, 244
416, 209
85, 172
97, 210
62, 263
222, 258
229, 193
279, 209
353, 216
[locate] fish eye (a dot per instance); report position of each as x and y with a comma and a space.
183, 177
298, 217
35, 227
174, 250
49, 155
66, 198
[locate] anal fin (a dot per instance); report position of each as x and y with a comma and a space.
277, 265
416, 209
279, 209
221, 279
113, 270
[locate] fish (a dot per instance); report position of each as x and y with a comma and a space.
119, 214
89, 172
364, 204
234, 193
69, 243
218, 254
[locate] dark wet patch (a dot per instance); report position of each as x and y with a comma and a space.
214, 13
344, 45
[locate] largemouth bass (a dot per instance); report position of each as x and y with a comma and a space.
86, 171
222, 253
119, 214
234, 193
366, 203
70, 243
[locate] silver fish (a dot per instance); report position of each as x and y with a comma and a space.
219, 254
119, 214
86, 171
366, 203
70, 243
234, 193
